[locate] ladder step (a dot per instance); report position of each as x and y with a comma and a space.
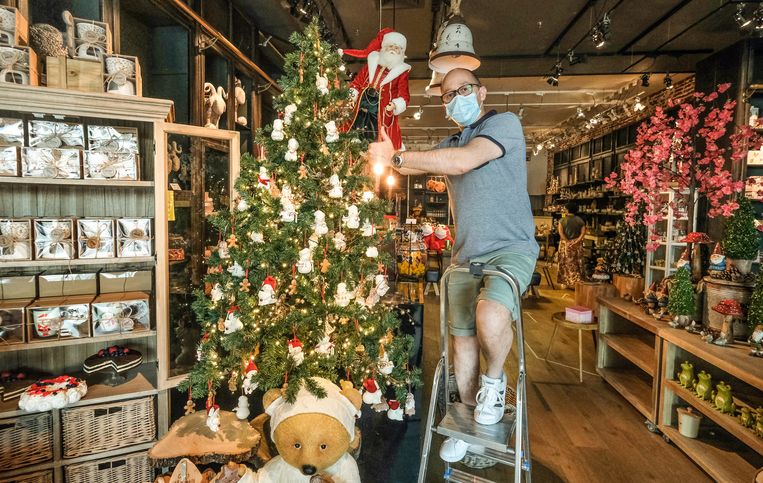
505, 458
458, 476
459, 423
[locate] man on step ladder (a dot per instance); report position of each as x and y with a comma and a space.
486, 175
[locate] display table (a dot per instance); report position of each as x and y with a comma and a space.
559, 320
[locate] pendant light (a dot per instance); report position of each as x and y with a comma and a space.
435, 85
454, 47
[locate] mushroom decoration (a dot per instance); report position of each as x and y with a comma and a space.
732, 310
696, 238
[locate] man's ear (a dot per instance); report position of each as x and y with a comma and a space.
482, 94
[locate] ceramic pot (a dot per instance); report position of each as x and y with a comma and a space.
744, 266
118, 65
89, 30
13, 76
128, 88
90, 51
688, 422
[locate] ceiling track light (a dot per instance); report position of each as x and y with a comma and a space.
580, 113
638, 106
601, 33
668, 81
575, 59
645, 79
757, 18
553, 79
739, 17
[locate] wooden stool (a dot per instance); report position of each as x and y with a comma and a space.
412, 290
559, 319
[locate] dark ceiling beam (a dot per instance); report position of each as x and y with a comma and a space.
645, 53
655, 24
679, 34
569, 26
340, 24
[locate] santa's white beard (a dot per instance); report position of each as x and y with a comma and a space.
390, 59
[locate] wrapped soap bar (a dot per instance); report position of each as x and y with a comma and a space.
108, 139
121, 312
51, 163
9, 161
11, 132
54, 239
95, 238
55, 134
59, 317
15, 239
111, 165
134, 237
12, 316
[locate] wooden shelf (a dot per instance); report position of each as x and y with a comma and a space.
77, 182
73, 263
632, 387
632, 312
734, 359
77, 341
722, 465
726, 421
655, 267
638, 349
143, 384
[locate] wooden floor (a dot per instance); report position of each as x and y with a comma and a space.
578, 432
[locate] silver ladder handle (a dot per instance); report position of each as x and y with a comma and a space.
441, 366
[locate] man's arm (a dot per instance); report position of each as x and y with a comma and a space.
445, 161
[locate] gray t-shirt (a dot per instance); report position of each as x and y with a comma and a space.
490, 204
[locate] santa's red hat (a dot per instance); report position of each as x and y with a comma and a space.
269, 280
370, 385
251, 367
294, 343
393, 404
386, 36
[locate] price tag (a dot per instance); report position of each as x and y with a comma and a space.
410, 221
175, 187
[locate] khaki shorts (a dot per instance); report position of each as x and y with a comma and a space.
464, 290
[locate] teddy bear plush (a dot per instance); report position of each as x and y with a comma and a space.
313, 435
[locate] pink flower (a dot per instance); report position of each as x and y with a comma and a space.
724, 87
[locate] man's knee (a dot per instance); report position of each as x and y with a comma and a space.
492, 311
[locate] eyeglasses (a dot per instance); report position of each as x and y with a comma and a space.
464, 90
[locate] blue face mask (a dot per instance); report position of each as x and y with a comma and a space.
463, 109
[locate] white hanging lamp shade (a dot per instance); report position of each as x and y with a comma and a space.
454, 47
435, 85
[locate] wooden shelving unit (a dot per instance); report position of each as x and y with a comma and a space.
669, 250
76, 262
77, 182
628, 354
79, 341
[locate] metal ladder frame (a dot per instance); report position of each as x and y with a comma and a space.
519, 457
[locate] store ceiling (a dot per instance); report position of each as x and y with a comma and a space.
519, 41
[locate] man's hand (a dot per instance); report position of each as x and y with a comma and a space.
381, 152
390, 107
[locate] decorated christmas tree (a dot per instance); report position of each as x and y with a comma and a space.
627, 256
681, 297
755, 309
294, 289
741, 239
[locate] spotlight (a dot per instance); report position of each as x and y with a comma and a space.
575, 58
418, 113
378, 169
553, 79
740, 18
668, 81
391, 181
601, 32
594, 121
303, 7
758, 18
645, 79
580, 113
539, 147
638, 106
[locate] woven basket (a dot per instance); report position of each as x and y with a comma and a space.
103, 427
39, 477
131, 468
29, 437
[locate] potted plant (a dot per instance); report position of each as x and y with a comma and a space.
681, 303
741, 239
626, 260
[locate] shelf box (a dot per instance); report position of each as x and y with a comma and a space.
59, 318
124, 313
125, 281
75, 74
19, 34
67, 284
12, 317
17, 287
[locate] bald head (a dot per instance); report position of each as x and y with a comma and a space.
458, 77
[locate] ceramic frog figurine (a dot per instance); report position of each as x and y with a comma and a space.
746, 418
686, 376
703, 387
722, 399
759, 422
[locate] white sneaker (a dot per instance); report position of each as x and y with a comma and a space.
491, 400
453, 450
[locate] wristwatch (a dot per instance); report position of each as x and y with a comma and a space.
397, 159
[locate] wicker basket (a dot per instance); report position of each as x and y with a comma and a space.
103, 427
29, 437
39, 477
131, 468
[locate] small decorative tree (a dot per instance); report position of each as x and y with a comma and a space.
680, 152
741, 239
681, 297
627, 255
755, 309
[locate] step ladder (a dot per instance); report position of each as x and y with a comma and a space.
457, 419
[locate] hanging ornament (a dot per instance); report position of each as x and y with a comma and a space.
267, 293
395, 412
325, 265
340, 242
372, 394
336, 80
232, 321
320, 226
189, 407
324, 150
296, 353
214, 269
236, 270
291, 153
242, 410
289, 113
217, 293
305, 263
244, 285
222, 250
368, 229
367, 196
257, 237
249, 384
383, 363
372, 252
277, 134
382, 287
274, 191
293, 284
342, 297
335, 187
322, 84
325, 346
410, 404
352, 220
302, 171
288, 210
213, 418
263, 179
232, 241
221, 324
233, 382
360, 348
332, 132
313, 241
242, 205
301, 67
